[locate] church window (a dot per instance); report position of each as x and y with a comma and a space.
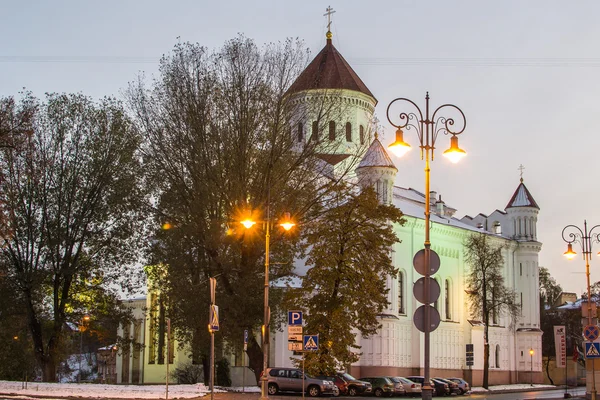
348, 132
300, 132
362, 134
331, 130
436, 304
315, 131
521, 302
401, 309
447, 299
521, 269
497, 356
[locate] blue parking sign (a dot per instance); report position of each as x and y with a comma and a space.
294, 318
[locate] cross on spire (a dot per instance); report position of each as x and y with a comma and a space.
328, 15
521, 169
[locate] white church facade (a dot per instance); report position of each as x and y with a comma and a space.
397, 348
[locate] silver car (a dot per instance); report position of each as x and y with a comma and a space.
411, 388
462, 384
293, 380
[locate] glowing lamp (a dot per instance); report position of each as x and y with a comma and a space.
399, 147
570, 253
530, 352
248, 223
454, 153
287, 224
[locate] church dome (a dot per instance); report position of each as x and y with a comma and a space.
329, 70
376, 156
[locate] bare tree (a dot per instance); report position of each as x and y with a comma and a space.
488, 295
72, 200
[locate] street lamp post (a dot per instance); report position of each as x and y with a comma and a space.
531, 366
427, 130
84, 319
586, 238
287, 224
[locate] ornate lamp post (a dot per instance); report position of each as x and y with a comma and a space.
427, 129
84, 319
287, 224
531, 366
586, 238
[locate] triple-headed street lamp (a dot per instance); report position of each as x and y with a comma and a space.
586, 238
427, 129
286, 224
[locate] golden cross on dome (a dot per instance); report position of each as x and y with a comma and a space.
521, 169
328, 15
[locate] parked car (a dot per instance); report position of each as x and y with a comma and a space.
292, 380
381, 386
411, 388
453, 386
349, 385
441, 387
421, 380
398, 386
462, 385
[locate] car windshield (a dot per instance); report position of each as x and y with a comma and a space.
348, 377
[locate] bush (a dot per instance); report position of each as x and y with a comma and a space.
188, 373
223, 376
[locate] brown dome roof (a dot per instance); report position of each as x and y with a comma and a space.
329, 70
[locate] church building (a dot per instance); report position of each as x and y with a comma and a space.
397, 348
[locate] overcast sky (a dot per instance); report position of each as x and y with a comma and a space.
525, 73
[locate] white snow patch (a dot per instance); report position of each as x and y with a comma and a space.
499, 388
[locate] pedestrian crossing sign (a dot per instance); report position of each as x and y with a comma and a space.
592, 350
213, 325
311, 342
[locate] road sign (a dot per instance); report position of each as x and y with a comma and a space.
294, 330
295, 346
294, 318
311, 342
245, 336
592, 350
419, 262
419, 290
294, 338
419, 318
214, 318
591, 332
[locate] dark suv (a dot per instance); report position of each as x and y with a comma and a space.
292, 380
348, 384
381, 386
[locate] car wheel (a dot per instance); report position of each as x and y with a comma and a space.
313, 391
336, 392
378, 392
352, 391
272, 389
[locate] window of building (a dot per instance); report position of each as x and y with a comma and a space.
315, 131
348, 132
362, 134
497, 228
497, 356
401, 309
494, 307
331, 130
300, 132
521, 269
521, 303
447, 299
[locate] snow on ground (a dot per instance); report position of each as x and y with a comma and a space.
105, 391
500, 388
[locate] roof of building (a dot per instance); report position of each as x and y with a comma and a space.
522, 198
376, 156
329, 70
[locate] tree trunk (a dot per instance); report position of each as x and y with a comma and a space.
548, 370
486, 345
255, 358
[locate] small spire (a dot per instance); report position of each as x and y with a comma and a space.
521, 168
376, 135
330, 11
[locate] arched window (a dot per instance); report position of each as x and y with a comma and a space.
331, 130
315, 131
362, 134
447, 299
497, 356
401, 309
300, 132
436, 304
348, 132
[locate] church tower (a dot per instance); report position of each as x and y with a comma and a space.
377, 170
522, 213
333, 108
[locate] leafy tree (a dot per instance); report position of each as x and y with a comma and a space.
218, 148
72, 197
487, 294
348, 251
550, 290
